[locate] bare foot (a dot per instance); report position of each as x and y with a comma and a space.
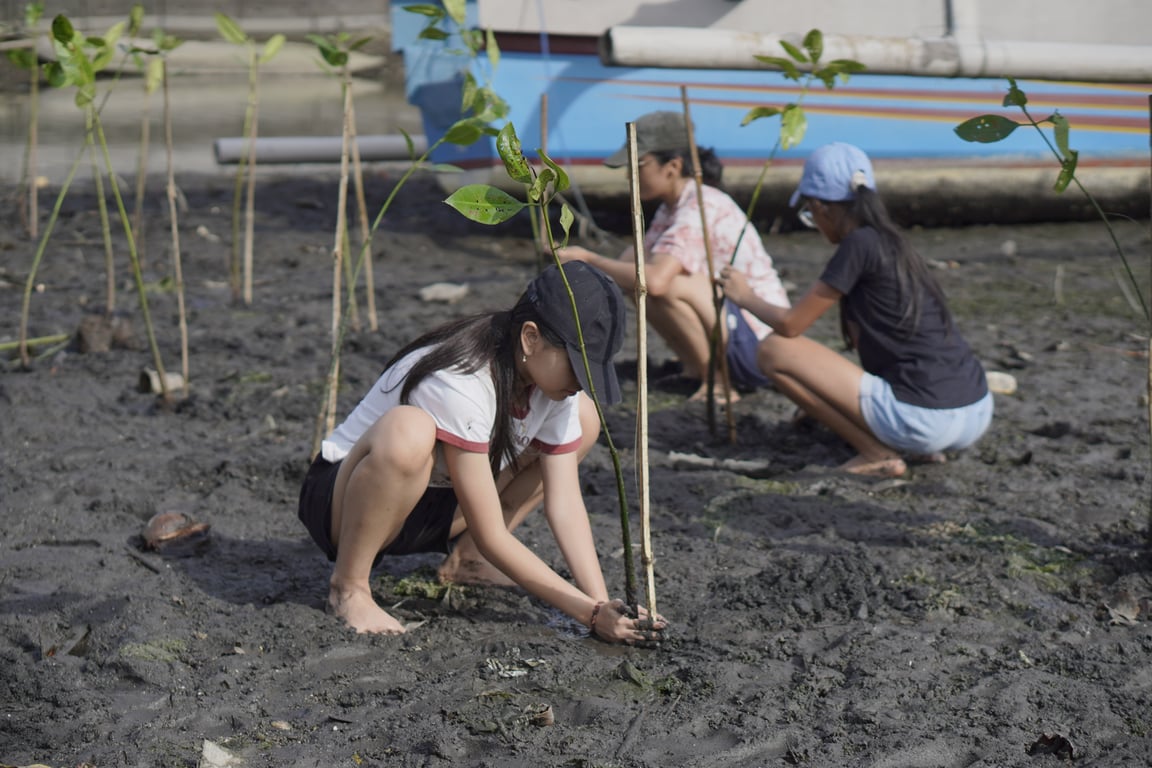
459, 568
892, 466
360, 612
701, 395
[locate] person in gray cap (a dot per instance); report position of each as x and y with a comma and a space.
680, 306
469, 428
920, 390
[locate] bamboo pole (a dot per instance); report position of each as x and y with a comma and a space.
250, 197
717, 295
177, 267
646, 556
543, 228
329, 420
365, 260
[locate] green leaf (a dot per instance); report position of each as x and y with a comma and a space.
784, 65
562, 180
794, 52
444, 168
759, 112
566, 219
469, 94
135, 19
492, 48
153, 75
986, 129
457, 10
230, 30
272, 47
1067, 171
62, 30
54, 74
432, 33
814, 44
1060, 129
540, 185
24, 58
1015, 97
431, 11
463, 133
33, 12
485, 204
793, 126
508, 145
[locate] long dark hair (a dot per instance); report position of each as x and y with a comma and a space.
912, 274
711, 169
489, 340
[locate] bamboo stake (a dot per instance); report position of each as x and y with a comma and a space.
177, 268
540, 245
142, 171
365, 260
105, 223
250, 202
329, 421
646, 556
717, 294
33, 222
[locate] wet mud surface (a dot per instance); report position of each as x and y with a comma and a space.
991, 611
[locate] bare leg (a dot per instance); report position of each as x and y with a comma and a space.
827, 387
376, 489
520, 494
684, 317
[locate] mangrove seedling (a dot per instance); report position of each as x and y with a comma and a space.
246, 168
26, 58
990, 128
486, 204
79, 59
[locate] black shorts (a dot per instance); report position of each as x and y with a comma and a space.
426, 529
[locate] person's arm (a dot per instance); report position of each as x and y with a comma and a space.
480, 503
568, 518
786, 321
658, 272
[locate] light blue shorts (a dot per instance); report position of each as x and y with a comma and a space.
915, 430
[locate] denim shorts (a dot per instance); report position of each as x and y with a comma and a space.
916, 430
743, 350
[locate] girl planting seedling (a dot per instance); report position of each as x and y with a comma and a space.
468, 429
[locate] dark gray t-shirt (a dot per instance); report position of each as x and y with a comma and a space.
932, 367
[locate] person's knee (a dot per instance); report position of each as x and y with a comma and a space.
404, 438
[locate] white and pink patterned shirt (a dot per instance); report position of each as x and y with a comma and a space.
677, 230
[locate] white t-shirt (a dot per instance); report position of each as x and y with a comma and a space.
464, 409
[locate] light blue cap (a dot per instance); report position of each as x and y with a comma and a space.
833, 172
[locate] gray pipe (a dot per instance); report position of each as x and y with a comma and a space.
317, 149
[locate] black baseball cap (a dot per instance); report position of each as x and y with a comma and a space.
600, 306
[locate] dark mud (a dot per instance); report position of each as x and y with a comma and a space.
992, 611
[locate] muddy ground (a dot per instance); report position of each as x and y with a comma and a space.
993, 611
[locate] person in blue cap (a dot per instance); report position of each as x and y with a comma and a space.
469, 428
920, 391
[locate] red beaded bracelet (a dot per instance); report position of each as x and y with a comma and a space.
595, 613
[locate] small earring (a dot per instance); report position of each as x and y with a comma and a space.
523, 358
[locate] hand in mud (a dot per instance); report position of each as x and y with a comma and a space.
620, 623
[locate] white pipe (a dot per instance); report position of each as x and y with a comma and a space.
682, 47
317, 149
